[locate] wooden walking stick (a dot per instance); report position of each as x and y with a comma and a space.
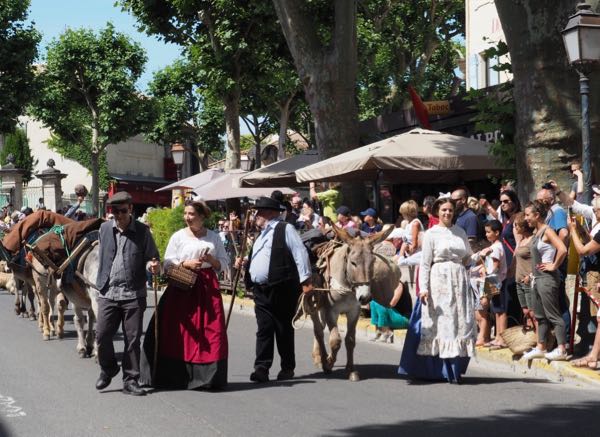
238, 272
155, 358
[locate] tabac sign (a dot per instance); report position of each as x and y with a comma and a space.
438, 107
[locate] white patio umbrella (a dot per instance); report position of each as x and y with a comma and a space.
280, 173
227, 187
417, 156
201, 178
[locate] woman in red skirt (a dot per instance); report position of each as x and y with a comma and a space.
192, 349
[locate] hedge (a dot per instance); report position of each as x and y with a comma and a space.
165, 222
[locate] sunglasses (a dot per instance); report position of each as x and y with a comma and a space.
120, 210
505, 201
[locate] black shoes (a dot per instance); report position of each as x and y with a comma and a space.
285, 374
260, 374
133, 388
104, 380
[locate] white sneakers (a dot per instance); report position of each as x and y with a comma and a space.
555, 355
534, 353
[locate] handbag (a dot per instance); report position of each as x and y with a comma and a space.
181, 278
491, 283
491, 286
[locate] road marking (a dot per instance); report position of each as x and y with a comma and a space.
8, 407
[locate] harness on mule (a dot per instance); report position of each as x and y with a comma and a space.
73, 263
310, 304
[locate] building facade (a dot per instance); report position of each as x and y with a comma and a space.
483, 30
133, 165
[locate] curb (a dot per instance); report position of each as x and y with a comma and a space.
558, 371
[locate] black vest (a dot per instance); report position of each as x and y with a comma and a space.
282, 267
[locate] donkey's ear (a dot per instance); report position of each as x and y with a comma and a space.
342, 234
381, 235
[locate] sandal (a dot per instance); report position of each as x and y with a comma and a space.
497, 347
586, 361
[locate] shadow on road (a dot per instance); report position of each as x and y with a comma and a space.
546, 420
3, 431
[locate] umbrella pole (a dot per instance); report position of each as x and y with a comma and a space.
238, 271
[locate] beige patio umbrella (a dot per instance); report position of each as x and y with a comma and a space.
227, 187
201, 178
280, 173
416, 156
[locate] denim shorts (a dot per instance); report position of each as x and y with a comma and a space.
499, 303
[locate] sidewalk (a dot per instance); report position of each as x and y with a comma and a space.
558, 371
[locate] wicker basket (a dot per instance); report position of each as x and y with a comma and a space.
519, 340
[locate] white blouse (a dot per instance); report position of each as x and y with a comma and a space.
184, 246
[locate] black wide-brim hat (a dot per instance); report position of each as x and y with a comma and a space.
268, 203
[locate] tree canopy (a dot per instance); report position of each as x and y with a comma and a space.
87, 94
402, 43
185, 110
216, 36
18, 51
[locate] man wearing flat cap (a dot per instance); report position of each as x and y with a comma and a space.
127, 250
278, 271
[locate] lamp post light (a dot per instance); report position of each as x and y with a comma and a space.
581, 37
178, 152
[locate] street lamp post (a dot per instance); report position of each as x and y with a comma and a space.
178, 152
581, 37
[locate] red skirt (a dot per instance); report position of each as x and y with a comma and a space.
192, 323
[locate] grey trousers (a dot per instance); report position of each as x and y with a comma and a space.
129, 314
546, 307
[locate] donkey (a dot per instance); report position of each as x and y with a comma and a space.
82, 294
356, 275
26, 291
48, 295
20, 283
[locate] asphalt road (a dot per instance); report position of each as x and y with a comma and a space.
46, 390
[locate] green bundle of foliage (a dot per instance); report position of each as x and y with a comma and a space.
164, 223
18, 144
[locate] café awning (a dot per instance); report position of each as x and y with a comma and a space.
417, 156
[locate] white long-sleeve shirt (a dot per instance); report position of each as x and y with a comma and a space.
261, 253
184, 246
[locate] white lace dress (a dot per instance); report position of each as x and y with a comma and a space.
448, 327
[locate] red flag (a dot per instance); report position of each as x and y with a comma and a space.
420, 108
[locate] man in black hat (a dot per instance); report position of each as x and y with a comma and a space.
127, 250
278, 271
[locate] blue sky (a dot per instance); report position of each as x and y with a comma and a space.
52, 17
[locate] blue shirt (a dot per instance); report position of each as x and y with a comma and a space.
468, 221
261, 253
371, 230
557, 218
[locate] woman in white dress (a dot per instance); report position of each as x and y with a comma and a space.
193, 348
442, 330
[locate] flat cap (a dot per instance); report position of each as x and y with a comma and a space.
119, 198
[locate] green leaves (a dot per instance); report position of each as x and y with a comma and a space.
18, 144
185, 110
401, 43
18, 51
87, 96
